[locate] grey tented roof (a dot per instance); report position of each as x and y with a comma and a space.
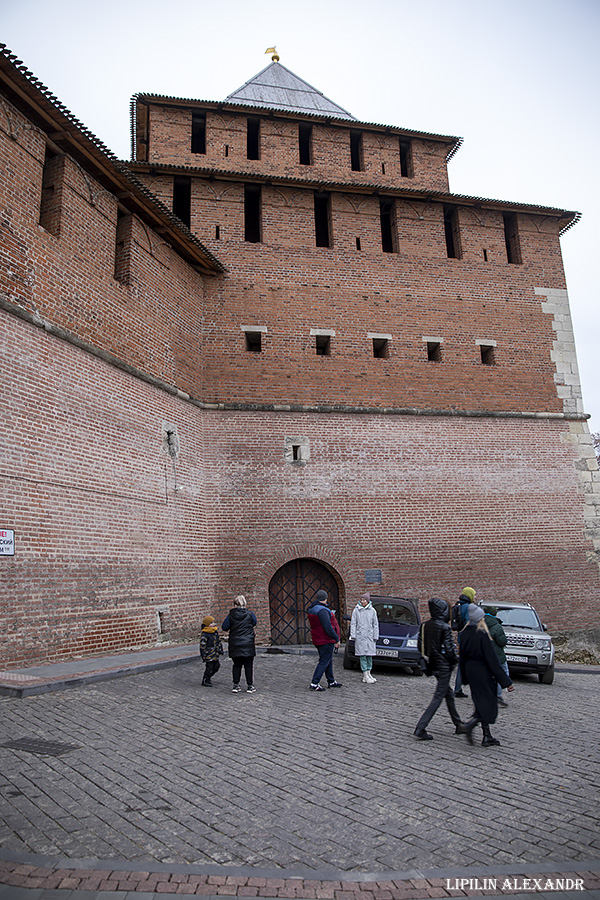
278, 88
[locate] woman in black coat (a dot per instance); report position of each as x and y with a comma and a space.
240, 623
481, 670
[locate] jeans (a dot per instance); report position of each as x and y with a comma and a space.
505, 668
443, 691
325, 664
248, 663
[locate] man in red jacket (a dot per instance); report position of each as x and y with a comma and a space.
325, 634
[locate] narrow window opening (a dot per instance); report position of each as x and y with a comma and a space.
305, 144
296, 452
226, 149
386, 217
253, 341
383, 168
198, 132
182, 198
323, 345
322, 219
253, 138
434, 351
358, 243
381, 348
452, 232
488, 356
123, 247
161, 622
405, 158
252, 213
511, 237
485, 256
356, 151
51, 199
217, 232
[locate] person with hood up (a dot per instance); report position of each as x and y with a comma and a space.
364, 631
435, 643
499, 641
210, 649
325, 634
482, 671
466, 598
240, 623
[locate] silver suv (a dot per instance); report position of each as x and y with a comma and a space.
529, 647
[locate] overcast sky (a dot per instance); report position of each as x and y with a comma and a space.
517, 79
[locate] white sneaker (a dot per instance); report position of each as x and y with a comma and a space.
365, 678
371, 679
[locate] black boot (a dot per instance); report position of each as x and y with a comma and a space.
488, 740
467, 728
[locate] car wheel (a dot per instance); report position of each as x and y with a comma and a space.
347, 662
417, 670
547, 677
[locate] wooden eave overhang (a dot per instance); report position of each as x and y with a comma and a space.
69, 136
568, 218
139, 119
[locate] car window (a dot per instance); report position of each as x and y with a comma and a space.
395, 614
519, 618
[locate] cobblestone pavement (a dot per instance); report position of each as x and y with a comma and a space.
166, 771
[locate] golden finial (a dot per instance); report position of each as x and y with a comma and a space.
273, 50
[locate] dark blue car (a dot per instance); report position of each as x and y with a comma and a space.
399, 624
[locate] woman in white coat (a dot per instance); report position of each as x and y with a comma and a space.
364, 631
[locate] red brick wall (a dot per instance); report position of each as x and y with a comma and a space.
153, 321
170, 131
104, 537
108, 531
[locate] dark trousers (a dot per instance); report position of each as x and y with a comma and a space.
325, 664
442, 692
212, 667
248, 663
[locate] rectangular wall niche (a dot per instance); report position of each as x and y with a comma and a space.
322, 338
253, 337
296, 451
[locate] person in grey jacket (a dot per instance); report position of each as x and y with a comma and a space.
364, 631
435, 643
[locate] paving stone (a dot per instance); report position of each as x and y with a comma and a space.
329, 782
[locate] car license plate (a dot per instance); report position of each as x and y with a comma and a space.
516, 659
382, 652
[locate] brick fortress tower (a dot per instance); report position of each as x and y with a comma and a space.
343, 375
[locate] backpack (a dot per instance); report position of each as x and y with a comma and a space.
456, 622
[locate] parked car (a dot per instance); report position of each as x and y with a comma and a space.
529, 647
399, 624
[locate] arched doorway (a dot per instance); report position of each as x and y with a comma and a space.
291, 590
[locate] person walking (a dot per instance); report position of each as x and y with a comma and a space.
435, 643
499, 641
460, 619
482, 671
211, 649
364, 631
240, 623
325, 634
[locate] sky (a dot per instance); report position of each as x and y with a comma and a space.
518, 80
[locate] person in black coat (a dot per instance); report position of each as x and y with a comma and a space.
240, 623
481, 670
435, 643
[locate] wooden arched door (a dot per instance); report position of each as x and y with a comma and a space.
291, 590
